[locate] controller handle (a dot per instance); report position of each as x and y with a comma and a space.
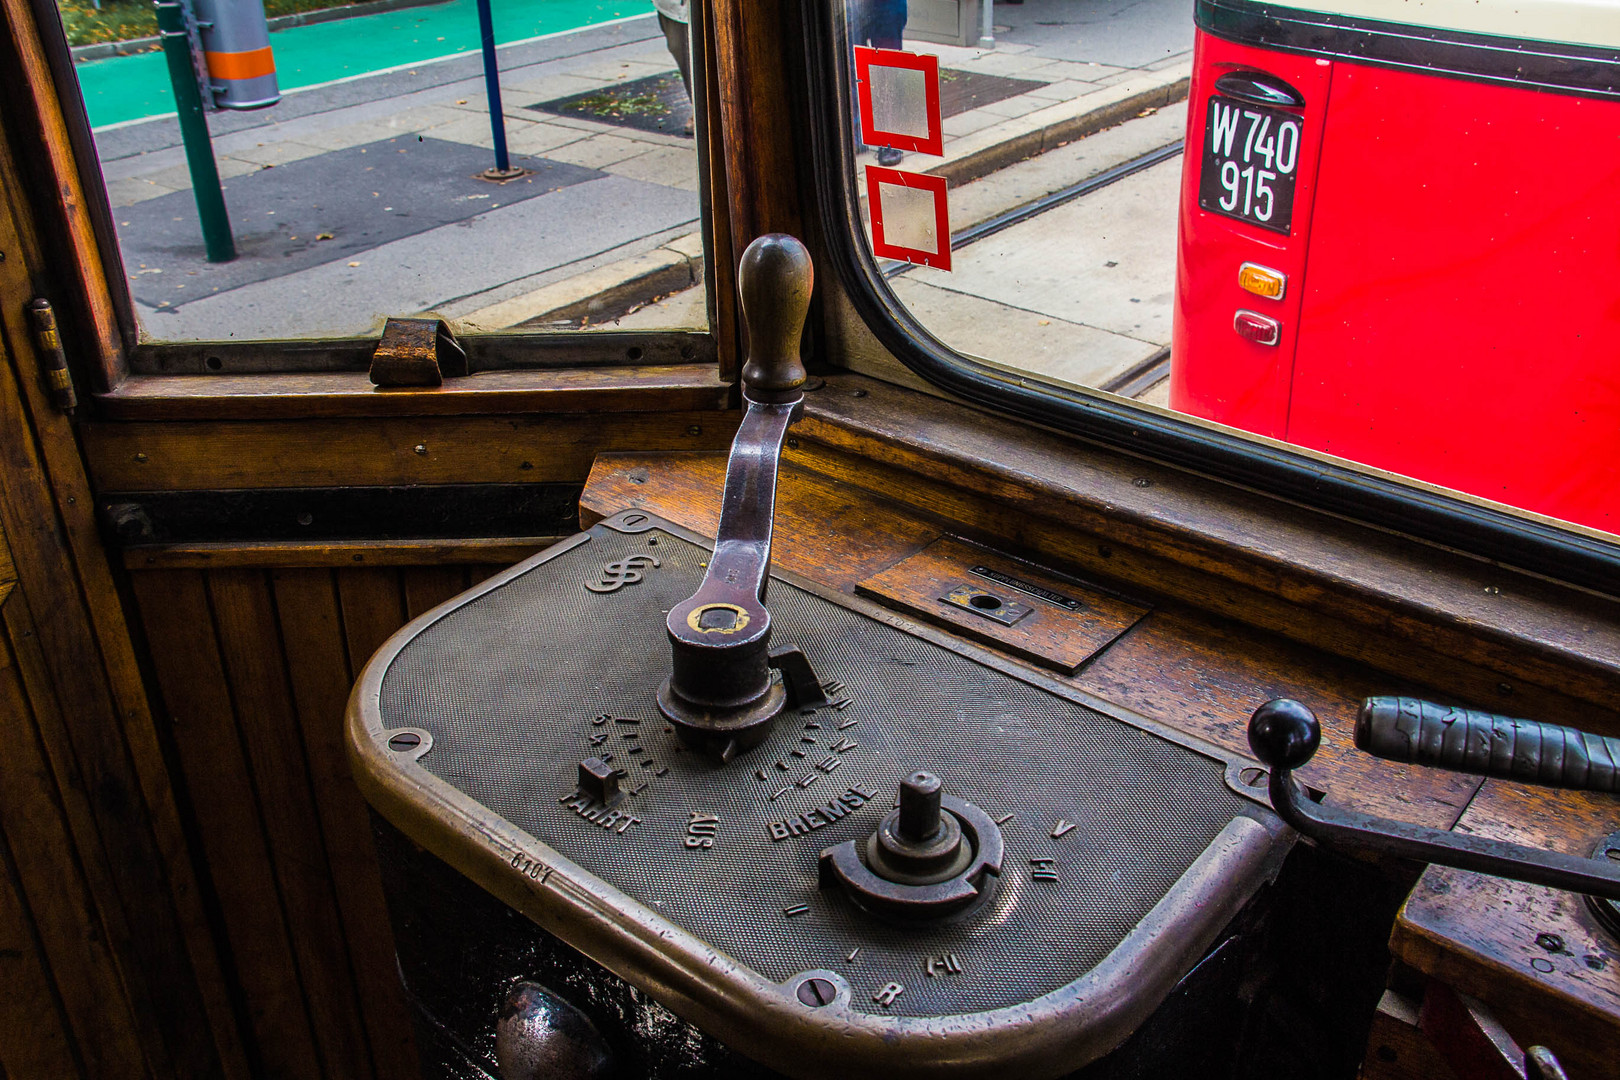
1284, 735
720, 696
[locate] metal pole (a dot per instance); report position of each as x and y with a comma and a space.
492, 87
216, 224
987, 37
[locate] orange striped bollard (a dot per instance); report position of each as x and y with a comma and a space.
236, 51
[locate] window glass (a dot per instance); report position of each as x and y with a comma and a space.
359, 175
1379, 262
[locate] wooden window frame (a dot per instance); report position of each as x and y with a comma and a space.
548, 371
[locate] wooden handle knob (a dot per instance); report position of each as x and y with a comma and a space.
775, 280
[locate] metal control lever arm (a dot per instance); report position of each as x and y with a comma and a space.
720, 696
1284, 735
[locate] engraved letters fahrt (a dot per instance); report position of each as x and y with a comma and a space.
616, 575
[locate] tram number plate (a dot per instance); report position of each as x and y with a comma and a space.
1251, 155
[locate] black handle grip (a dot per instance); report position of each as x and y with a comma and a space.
1485, 744
1284, 734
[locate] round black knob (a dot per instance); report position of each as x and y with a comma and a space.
1284, 734
539, 1035
919, 808
774, 280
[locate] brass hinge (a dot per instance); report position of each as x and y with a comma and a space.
52, 359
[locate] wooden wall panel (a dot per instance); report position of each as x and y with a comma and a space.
131, 839
34, 1038
50, 882
255, 666
178, 618
426, 587
318, 665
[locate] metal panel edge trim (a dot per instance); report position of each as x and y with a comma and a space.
1046, 1037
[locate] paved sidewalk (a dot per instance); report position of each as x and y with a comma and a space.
1080, 294
356, 201
362, 201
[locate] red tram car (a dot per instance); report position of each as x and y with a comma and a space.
1399, 237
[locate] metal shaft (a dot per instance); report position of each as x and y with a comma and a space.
919, 807
216, 224
492, 86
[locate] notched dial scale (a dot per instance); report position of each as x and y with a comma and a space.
827, 836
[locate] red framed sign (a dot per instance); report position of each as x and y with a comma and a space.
910, 220
899, 99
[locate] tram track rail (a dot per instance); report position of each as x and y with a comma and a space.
1140, 377
1050, 201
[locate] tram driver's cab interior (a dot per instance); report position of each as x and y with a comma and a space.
724, 560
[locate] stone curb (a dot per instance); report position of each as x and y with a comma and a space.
103, 49
600, 295
616, 289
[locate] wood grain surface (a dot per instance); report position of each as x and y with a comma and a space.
57, 893
1051, 634
246, 621
255, 665
83, 662
1497, 637
1535, 956
379, 452
499, 552
318, 669
835, 533
175, 611
686, 387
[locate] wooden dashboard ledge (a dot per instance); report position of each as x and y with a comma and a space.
560, 390
1499, 638
1535, 956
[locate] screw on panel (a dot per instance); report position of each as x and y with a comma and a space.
817, 992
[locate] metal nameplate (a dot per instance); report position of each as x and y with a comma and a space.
1040, 592
990, 605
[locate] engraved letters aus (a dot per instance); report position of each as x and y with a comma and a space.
701, 829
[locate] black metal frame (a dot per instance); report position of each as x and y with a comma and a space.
538, 349
1380, 500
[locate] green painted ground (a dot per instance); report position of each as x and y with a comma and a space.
123, 88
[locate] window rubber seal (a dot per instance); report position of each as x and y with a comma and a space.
1539, 547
